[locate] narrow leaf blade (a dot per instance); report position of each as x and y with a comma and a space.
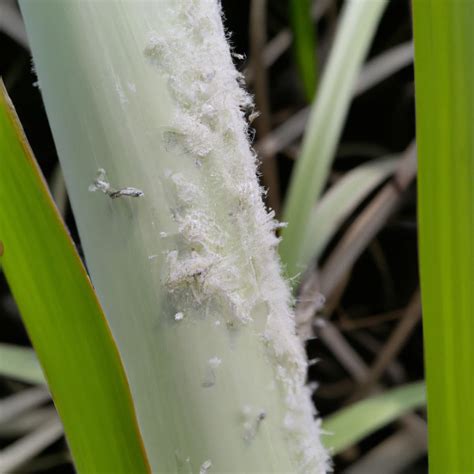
356, 28
304, 38
338, 203
350, 425
444, 77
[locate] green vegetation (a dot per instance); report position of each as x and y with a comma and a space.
445, 107
355, 31
368, 415
194, 360
305, 45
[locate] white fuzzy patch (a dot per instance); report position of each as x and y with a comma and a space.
214, 362
120, 92
210, 376
227, 258
205, 466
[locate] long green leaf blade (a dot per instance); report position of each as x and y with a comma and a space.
304, 39
444, 48
62, 314
350, 425
357, 26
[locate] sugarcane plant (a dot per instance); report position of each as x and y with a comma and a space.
148, 116
190, 362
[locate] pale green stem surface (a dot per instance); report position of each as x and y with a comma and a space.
187, 272
355, 31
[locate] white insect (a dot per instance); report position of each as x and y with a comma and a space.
214, 362
210, 378
205, 466
102, 184
252, 420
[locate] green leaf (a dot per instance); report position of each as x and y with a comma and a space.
20, 363
62, 314
305, 49
339, 202
444, 48
356, 29
350, 425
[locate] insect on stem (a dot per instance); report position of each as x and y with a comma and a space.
102, 184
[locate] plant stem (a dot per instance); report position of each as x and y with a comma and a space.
187, 272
